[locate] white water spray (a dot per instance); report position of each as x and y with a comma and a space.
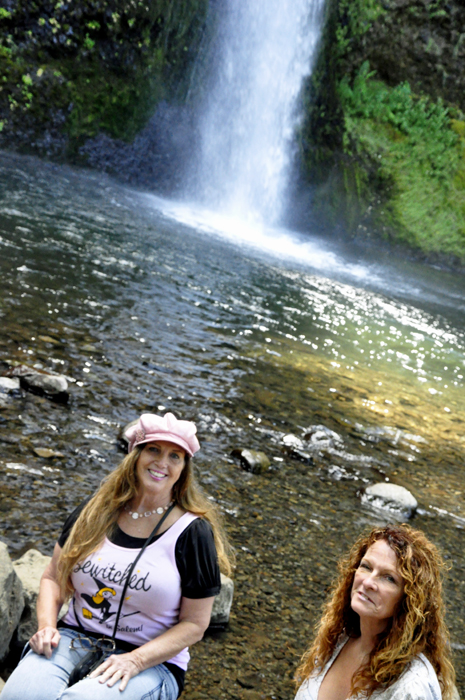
251, 113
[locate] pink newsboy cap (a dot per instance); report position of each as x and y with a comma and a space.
151, 427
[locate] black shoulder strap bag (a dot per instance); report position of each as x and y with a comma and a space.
102, 648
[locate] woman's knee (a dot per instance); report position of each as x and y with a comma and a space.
153, 684
35, 679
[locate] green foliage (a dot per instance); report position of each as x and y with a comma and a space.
419, 152
4, 14
355, 18
94, 67
88, 43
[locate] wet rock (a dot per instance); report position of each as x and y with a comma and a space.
322, 436
296, 447
47, 452
53, 386
11, 600
49, 339
249, 681
392, 497
252, 460
316, 439
29, 569
222, 603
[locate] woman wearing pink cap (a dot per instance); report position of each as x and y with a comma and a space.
152, 610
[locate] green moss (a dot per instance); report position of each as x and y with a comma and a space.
420, 155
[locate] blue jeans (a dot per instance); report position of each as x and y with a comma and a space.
39, 678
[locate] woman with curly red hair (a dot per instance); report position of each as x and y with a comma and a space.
382, 634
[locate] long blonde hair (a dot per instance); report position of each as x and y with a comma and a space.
98, 517
418, 624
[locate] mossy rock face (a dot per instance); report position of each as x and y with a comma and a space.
72, 70
384, 123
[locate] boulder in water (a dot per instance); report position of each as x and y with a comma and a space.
52, 386
396, 499
252, 460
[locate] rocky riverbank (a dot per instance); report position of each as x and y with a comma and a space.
288, 539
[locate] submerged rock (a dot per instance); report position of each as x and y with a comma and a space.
392, 497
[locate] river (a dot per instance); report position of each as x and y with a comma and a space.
255, 333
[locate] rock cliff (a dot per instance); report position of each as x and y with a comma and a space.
384, 135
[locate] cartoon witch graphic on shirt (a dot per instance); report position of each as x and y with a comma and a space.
100, 601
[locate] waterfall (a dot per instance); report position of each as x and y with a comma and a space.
264, 51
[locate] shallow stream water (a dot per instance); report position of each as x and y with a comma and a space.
149, 305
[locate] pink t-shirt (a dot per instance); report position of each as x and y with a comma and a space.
153, 596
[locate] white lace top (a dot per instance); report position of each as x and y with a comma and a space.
417, 682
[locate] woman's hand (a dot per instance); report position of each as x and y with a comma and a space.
118, 667
45, 640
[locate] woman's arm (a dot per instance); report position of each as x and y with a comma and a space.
49, 603
194, 618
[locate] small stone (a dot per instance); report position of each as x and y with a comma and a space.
251, 680
252, 460
47, 452
48, 339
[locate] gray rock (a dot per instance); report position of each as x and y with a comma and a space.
322, 436
392, 497
54, 386
30, 568
11, 600
222, 603
9, 384
293, 441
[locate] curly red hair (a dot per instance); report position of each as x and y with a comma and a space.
417, 626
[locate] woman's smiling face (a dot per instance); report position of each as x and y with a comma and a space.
378, 586
159, 466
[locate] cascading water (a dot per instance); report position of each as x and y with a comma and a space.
266, 49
